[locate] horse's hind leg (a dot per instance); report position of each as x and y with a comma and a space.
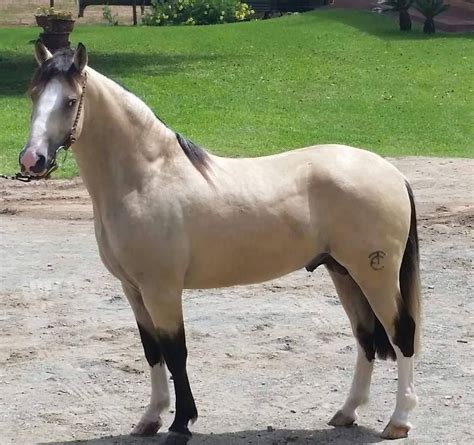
151, 421
385, 299
379, 249
362, 323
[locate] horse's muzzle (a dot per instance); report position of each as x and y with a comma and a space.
33, 163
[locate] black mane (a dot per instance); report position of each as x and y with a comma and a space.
198, 156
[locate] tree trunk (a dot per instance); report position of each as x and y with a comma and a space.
134, 13
405, 20
429, 26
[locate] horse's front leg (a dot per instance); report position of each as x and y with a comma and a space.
165, 308
151, 421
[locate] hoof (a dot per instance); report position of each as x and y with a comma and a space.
177, 438
341, 419
147, 428
393, 431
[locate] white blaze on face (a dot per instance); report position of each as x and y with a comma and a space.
49, 127
47, 123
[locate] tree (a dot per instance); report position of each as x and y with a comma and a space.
402, 7
430, 9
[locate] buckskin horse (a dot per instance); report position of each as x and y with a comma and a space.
170, 216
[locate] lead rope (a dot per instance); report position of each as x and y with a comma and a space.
65, 146
18, 176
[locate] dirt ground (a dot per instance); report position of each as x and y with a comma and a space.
269, 364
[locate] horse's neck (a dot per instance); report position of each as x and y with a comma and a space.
120, 140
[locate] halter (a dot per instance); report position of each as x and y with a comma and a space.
65, 146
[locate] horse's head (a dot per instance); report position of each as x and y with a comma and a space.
56, 91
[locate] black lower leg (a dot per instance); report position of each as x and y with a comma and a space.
175, 354
375, 341
150, 346
405, 332
366, 340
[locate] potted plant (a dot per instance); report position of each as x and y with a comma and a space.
41, 16
60, 21
57, 27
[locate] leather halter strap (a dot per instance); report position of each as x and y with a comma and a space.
71, 137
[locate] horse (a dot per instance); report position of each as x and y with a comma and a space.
169, 215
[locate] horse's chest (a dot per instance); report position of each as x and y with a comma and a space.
133, 248
118, 245
108, 251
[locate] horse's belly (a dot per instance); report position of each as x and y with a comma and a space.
239, 274
253, 237
233, 266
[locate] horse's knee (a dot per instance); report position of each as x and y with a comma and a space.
164, 305
151, 346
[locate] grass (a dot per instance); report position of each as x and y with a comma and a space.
262, 87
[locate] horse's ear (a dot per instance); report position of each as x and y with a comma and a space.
80, 58
42, 53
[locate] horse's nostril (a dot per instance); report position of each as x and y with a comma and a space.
40, 164
28, 160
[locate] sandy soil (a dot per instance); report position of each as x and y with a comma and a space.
269, 364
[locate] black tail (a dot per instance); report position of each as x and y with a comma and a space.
409, 288
410, 273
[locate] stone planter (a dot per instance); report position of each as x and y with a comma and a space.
60, 25
56, 31
55, 40
42, 20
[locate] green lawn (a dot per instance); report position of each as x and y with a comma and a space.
262, 87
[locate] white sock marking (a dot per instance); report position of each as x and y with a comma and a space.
160, 396
406, 396
360, 387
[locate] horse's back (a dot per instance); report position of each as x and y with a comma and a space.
332, 179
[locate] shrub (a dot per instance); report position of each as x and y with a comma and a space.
44, 11
110, 18
402, 7
60, 15
52, 13
430, 9
196, 12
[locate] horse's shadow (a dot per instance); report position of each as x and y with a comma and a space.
339, 436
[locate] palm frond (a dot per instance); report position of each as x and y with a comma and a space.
397, 5
430, 8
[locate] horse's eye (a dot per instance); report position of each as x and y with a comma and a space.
71, 102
